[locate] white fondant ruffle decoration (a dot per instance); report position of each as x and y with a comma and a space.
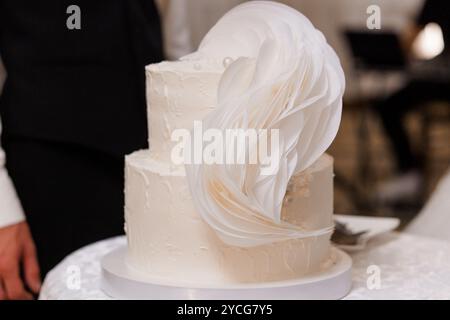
285, 76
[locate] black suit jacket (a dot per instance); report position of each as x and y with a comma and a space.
82, 86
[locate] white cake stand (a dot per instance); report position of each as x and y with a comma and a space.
121, 282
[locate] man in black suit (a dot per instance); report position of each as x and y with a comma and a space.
72, 106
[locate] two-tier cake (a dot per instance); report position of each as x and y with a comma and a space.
171, 237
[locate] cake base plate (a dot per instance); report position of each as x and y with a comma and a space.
119, 281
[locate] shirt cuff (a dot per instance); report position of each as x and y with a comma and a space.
11, 211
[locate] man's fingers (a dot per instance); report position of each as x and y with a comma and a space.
31, 268
17, 252
14, 287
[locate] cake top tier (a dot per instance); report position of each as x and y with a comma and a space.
178, 93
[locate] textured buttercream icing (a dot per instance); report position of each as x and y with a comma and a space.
178, 93
169, 241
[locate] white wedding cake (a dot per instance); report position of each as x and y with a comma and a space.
262, 66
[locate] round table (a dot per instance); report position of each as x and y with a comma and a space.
392, 266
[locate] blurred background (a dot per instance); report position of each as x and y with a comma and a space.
397, 77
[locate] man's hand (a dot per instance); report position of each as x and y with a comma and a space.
18, 253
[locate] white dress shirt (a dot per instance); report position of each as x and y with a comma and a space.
11, 211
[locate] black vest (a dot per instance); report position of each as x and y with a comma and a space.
83, 86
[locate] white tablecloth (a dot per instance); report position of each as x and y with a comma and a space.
410, 267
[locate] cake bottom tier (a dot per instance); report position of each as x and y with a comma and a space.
168, 240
